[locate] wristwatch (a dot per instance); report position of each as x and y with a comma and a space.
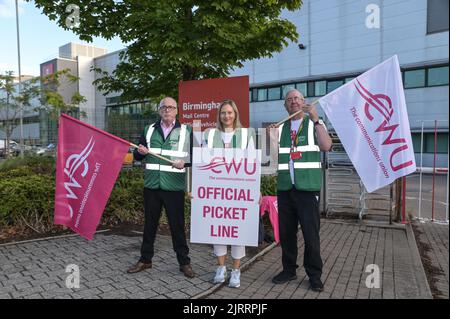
318, 122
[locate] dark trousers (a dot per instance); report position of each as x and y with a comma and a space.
174, 204
293, 207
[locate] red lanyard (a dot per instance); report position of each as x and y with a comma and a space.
295, 135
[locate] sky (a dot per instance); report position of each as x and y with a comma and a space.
40, 38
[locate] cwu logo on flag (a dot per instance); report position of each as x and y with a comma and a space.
383, 104
76, 166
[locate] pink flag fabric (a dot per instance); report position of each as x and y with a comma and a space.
270, 204
88, 163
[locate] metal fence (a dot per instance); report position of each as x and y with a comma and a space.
344, 193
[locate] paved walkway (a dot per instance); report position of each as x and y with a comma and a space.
432, 241
36, 269
347, 249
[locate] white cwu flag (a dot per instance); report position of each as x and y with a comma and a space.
369, 115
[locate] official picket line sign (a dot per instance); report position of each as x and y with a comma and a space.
225, 191
370, 117
200, 99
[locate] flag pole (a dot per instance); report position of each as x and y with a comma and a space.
294, 114
155, 155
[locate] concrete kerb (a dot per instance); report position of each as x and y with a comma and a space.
386, 226
424, 220
48, 238
394, 225
244, 267
419, 272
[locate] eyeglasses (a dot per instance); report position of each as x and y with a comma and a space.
167, 107
295, 98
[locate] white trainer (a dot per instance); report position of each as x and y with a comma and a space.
235, 279
221, 274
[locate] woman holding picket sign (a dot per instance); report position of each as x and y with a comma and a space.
229, 134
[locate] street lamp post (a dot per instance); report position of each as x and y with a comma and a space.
20, 79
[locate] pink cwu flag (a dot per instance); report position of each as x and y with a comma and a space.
370, 117
87, 166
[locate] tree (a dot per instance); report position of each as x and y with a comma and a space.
42, 88
177, 40
12, 102
9, 111
51, 101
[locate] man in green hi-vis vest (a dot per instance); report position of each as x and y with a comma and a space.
300, 141
164, 184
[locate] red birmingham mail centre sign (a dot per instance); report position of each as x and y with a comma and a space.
200, 99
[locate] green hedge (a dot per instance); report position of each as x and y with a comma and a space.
126, 203
37, 164
27, 189
269, 185
26, 199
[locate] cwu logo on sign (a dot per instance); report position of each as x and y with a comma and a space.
217, 163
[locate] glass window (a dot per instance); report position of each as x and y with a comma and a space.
414, 78
349, 79
250, 95
438, 76
428, 143
441, 146
254, 95
286, 88
302, 87
311, 89
273, 93
112, 100
437, 16
320, 88
416, 141
262, 94
332, 85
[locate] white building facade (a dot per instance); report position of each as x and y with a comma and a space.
338, 40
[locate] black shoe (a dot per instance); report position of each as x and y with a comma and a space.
284, 277
316, 284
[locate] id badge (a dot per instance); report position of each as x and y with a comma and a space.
296, 155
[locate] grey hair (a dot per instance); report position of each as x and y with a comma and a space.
292, 90
167, 97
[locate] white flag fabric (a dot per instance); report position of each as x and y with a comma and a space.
370, 117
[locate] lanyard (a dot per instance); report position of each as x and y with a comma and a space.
294, 138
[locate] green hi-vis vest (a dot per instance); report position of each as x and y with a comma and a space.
308, 168
160, 174
240, 139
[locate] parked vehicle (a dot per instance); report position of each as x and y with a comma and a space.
47, 150
13, 147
